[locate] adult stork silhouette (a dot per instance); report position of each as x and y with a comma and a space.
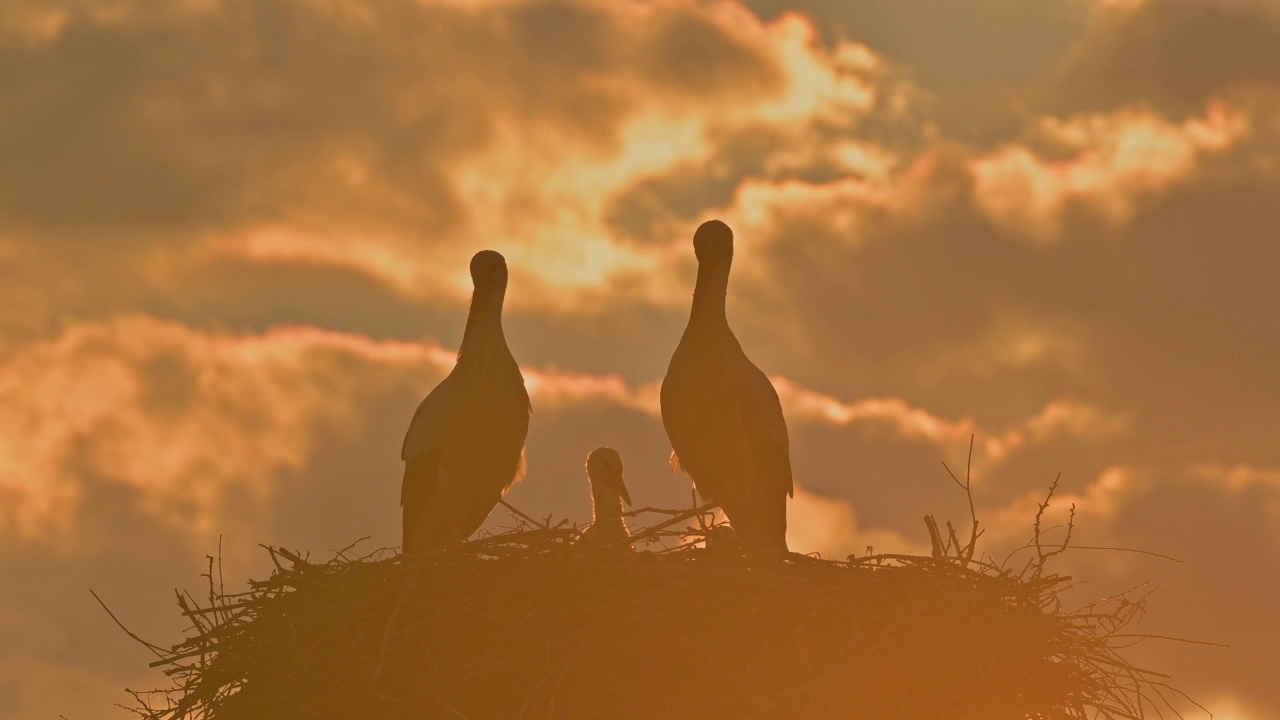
722, 414
465, 445
608, 492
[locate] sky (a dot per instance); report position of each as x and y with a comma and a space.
234, 238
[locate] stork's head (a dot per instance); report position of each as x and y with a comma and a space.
604, 469
488, 269
713, 243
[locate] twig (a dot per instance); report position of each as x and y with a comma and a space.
967, 486
1098, 547
1041, 556
222, 587
159, 651
695, 512
662, 511
935, 539
343, 552
1148, 636
522, 516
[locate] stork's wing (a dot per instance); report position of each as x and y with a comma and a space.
489, 416
766, 429
514, 428
426, 430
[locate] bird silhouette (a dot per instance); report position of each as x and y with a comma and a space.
465, 444
608, 492
722, 414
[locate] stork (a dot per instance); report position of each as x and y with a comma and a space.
465, 444
722, 414
608, 492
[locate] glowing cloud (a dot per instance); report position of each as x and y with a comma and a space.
1113, 160
557, 387
151, 405
1059, 418
1099, 504
829, 527
539, 187
181, 416
1238, 478
1013, 342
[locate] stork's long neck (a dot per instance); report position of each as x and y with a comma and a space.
605, 503
709, 294
483, 334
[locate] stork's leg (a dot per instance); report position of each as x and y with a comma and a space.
760, 521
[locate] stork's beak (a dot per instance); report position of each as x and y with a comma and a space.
622, 490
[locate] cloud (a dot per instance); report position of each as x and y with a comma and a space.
185, 418
1238, 478
1110, 162
1099, 503
82, 691
1209, 595
193, 419
1170, 55
1011, 343
829, 526
1245, 480
557, 387
1061, 417
1202, 516
242, 151
956, 51
234, 247
1152, 275
1231, 708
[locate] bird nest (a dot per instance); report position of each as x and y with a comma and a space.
526, 624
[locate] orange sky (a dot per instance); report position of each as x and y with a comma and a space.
234, 237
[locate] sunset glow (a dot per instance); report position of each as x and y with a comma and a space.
235, 236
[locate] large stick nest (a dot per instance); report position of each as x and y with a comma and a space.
527, 625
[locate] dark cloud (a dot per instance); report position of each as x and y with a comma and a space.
131, 144
952, 48
633, 340
172, 120
693, 56
1227, 599
244, 296
1173, 55
1228, 553
902, 292
976, 59
67, 635
1176, 309
1188, 318
891, 482
644, 212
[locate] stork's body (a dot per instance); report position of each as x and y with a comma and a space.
465, 445
608, 492
722, 414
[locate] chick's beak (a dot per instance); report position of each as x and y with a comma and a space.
622, 490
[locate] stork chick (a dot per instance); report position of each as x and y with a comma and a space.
465, 445
722, 414
608, 492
